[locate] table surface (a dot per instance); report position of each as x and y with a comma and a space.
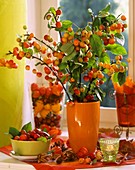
9, 163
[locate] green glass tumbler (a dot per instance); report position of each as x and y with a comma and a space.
109, 148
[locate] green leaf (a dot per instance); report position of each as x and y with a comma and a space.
96, 44
26, 50
43, 139
105, 58
116, 49
14, 132
121, 78
66, 23
69, 57
88, 28
96, 22
67, 48
120, 38
111, 18
62, 66
115, 77
27, 127
106, 9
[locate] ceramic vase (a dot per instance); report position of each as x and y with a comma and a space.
83, 125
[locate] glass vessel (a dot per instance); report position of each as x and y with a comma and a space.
125, 104
109, 148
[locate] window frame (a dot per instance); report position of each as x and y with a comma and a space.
108, 116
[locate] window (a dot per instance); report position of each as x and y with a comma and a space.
42, 6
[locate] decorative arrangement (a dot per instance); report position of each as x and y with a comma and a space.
47, 107
81, 59
28, 141
59, 150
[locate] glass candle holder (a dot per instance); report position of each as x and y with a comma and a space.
109, 148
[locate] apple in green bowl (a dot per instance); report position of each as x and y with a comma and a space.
28, 142
29, 148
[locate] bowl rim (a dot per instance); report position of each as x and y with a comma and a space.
28, 141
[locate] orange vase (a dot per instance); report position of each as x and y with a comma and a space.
83, 125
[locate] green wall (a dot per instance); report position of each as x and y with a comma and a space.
12, 19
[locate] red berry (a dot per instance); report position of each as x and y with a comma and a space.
83, 151
27, 67
46, 37
86, 78
85, 59
92, 155
58, 12
32, 133
39, 74
77, 92
34, 86
58, 24
26, 45
23, 137
47, 70
36, 136
57, 150
42, 90
17, 138
35, 94
23, 132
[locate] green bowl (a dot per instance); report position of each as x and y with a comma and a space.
30, 148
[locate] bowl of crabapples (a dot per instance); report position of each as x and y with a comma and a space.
28, 141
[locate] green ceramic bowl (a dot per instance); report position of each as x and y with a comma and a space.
30, 148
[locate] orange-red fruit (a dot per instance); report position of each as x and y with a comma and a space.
15, 51
58, 12
42, 90
34, 87
88, 160
46, 37
39, 74
77, 92
111, 41
47, 70
35, 94
27, 67
26, 45
86, 78
34, 71
23, 137
123, 18
58, 24
57, 150
83, 152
